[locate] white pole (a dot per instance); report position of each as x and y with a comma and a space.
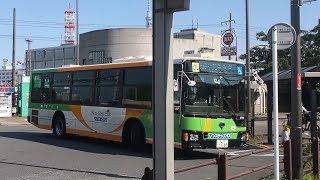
264, 101
275, 101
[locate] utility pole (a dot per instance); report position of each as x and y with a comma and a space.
230, 21
77, 29
296, 101
28, 60
248, 102
13, 83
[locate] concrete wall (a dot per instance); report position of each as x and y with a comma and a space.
115, 44
52, 57
104, 46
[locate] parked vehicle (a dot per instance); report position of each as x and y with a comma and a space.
306, 121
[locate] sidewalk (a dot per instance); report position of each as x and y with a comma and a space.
13, 121
264, 117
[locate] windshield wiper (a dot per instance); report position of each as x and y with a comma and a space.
228, 103
224, 77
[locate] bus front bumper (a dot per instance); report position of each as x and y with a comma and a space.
201, 140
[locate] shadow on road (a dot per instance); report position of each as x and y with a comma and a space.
85, 144
181, 155
71, 170
93, 145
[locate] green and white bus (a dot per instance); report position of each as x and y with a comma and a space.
113, 102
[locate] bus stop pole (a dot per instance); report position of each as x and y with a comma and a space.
275, 101
162, 102
163, 149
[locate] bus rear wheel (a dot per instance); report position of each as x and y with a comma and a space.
59, 126
137, 139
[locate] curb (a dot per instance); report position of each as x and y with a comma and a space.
14, 124
259, 145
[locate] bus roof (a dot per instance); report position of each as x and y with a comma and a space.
125, 63
182, 60
96, 66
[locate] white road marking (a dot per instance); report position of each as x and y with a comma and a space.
237, 153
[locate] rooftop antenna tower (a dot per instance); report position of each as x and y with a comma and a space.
69, 26
149, 17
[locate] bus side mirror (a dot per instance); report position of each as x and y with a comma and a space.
175, 85
191, 83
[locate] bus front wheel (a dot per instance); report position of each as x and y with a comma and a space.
59, 126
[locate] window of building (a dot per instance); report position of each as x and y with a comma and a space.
137, 88
97, 57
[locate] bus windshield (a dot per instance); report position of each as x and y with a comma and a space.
215, 95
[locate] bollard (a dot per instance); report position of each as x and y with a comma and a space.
287, 159
315, 157
223, 167
148, 174
252, 128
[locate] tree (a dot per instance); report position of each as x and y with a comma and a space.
310, 47
261, 57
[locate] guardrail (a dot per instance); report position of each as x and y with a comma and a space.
223, 165
312, 153
223, 160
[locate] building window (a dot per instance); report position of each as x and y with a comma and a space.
97, 57
108, 60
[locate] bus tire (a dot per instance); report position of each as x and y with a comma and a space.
137, 138
59, 126
187, 149
126, 135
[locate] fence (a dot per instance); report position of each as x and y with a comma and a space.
311, 150
223, 160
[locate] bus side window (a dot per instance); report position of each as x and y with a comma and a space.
36, 88
137, 88
108, 91
46, 94
82, 87
61, 87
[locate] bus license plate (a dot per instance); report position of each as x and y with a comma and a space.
222, 143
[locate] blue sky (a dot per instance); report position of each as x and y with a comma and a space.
42, 20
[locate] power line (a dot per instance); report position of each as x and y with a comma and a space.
60, 24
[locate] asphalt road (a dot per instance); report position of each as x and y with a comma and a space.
27, 152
